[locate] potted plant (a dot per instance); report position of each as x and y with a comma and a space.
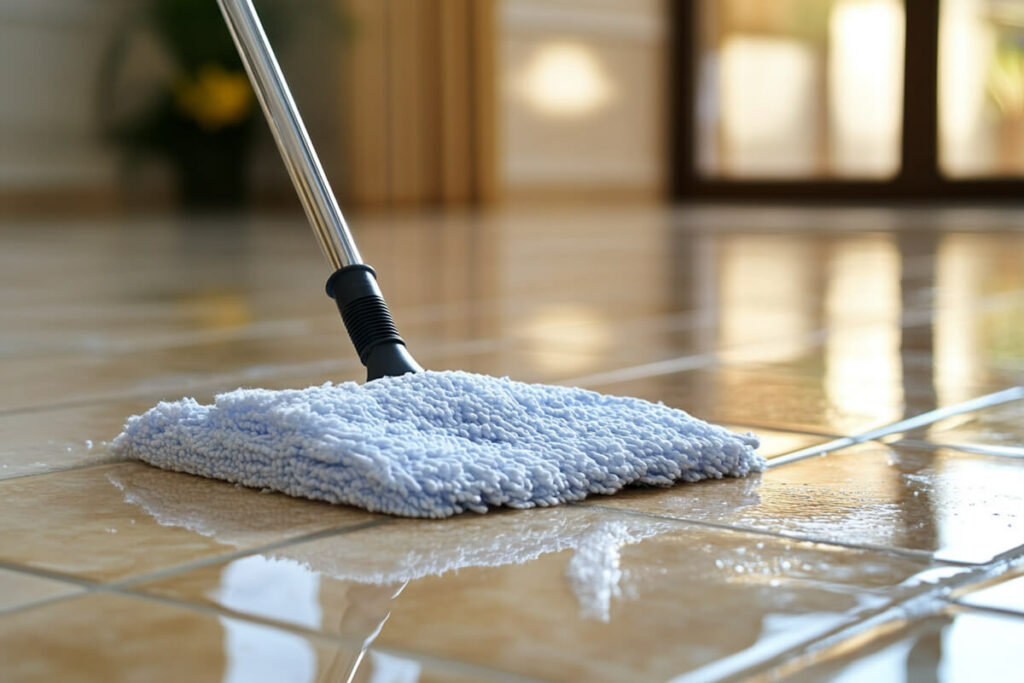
172, 86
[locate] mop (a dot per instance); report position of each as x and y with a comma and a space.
410, 441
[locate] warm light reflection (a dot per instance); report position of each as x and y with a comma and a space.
863, 370
567, 338
766, 117
216, 309
955, 646
957, 344
980, 647
767, 298
794, 91
564, 79
388, 668
865, 86
256, 652
971, 530
966, 44
981, 88
297, 591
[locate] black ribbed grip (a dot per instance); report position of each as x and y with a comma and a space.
369, 323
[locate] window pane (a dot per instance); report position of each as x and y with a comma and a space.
800, 88
981, 88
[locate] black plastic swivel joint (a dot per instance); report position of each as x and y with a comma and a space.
369, 323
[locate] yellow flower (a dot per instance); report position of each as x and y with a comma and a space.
1006, 80
215, 98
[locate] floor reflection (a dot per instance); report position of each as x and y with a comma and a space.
953, 645
807, 325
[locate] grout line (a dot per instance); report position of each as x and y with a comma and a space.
774, 670
699, 361
49, 574
273, 328
779, 428
1012, 555
217, 383
903, 553
811, 451
333, 639
706, 360
643, 371
228, 557
33, 604
1002, 611
980, 449
801, 656
932, 416
57, 469
128, 589
986, 401
94, 584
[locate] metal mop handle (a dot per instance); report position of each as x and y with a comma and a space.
353, 286
285, 123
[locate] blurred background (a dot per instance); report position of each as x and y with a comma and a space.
801, 217
502, 157
112, 104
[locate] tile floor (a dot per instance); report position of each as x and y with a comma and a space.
878, 353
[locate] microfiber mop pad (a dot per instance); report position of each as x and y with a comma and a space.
434, 444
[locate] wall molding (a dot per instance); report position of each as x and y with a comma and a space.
62, 14
602, 22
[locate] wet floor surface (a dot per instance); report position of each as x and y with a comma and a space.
879, 355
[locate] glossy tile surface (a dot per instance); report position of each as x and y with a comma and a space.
115, 521
954, 505
955, 645
118, 638
567, 594
996, 429
754, 396
18, 589
814, 328
1005, 593
59, 438
775, 442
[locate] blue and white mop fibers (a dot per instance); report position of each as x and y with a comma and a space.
434, 444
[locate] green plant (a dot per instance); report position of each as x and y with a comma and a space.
1006, 78
199, 112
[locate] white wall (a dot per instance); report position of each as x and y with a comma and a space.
49, 54
582, 94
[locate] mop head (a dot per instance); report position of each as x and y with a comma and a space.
434, 444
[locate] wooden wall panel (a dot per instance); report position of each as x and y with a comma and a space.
364, 97
456, 94
419, 127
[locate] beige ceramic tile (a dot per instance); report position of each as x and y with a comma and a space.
37, 441
955, 645
36, 385
115, 521
117, 638
775, 442
18, 589
883, 356
827, 321
955, 505
40, 441
752, 394
999, 429
568, 593
38, 382
1005, 593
